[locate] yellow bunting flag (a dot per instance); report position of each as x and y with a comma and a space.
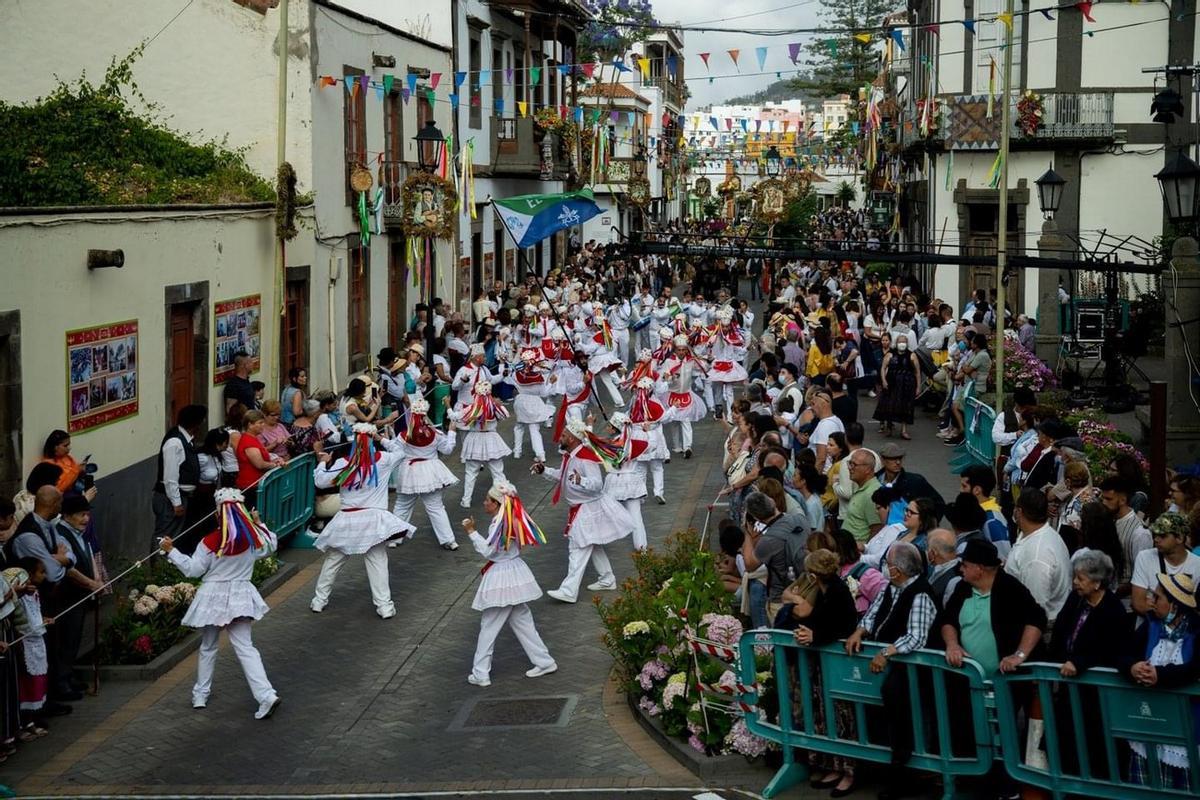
1006, 18
644, 66
522, 107
865, 38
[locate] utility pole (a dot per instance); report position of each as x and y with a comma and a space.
280, 159
1002, 239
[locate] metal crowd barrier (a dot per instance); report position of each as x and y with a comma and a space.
848, 680
977, 446
1088, 724
286, 496
1083, 745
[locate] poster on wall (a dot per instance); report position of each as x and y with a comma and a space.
102, 375
237, 328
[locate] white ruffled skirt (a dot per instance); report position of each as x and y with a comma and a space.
656, 449
531, 409
356, 532
424, 476
221, 602
688, 407
484, 446
735, 373
600, 521
602, 361
506, 583
626, 484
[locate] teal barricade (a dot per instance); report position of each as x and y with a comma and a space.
1088, 724
848, 680
286, 495
977, 446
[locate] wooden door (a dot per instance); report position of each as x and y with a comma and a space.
294, 344
181, 370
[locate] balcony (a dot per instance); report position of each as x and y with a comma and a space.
1075, 117
393, 175
518, 150
672, 91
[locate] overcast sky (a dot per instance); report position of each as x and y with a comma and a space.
741, 14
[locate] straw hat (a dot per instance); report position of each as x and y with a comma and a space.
1179, 588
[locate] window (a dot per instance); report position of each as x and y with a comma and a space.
397, 290
988, 38
294, 344
498, 84
393, 146
355, 129
474, 64
358, 304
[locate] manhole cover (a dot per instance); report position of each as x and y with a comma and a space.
514, 712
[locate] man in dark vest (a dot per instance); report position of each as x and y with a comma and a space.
900, 618
178, 472
67, 631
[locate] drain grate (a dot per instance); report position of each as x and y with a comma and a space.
514, 712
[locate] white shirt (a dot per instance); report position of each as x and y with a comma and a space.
820, 435
878, 544
1040, 561
1134, 538
172, 458
1147, 568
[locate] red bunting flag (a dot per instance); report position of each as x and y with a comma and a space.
936, 30
433, 79
1085, 8
588, 69
328, 80
734, 55
704, 58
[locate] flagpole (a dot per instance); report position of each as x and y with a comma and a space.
542, 290
1002, 238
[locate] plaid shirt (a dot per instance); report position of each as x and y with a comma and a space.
920, 617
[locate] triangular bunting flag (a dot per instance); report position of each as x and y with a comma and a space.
433, 79
733, 54
757, 125
412, 83
672, 65
500, 106
969, 24
793, 51
564, 69
431, 95
865, 38
728, 124
644, 67
612, 116
350, 83
485, 76
1046, 13
405, 94
508, 75
1085, 8
535, 76
1006, 18
761, 52
328, 80
936, 30
898, 37
620, 65
364, 81
379, 92
453, 102
704, 58
388, 82
522, 107
715, 124
459, 77
588, 69
475, 99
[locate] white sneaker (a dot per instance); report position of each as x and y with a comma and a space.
267, 707
538, 672
871, 393
471, 679
660, 499
560, 596
199, 702
601, 586
316, 607
391, 612
464, 504
450, 546
394, 543
517, 454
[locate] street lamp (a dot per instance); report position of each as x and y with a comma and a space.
1050, 192
1179, 181
774, 162
430, 144
1166, 106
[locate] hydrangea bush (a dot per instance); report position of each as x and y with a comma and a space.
645, 629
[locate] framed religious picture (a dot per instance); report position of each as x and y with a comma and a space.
639, 191
702, 188
795, 185
237, 327
771, 203
429, 205
102, 375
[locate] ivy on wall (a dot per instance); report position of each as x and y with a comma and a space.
85, 144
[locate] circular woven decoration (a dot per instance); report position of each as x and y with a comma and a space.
361, 179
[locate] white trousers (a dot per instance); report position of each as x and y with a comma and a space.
684, 438
577, 561
247, 653
520, 619
471, 470
707, 388
727, 400
605, 379
535, 439
435, 509
376, 561
621, 339
656, 476
634, 507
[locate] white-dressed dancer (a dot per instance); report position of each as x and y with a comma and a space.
469, 375
620, 318
648, 417
727, 349
507, 586
422, 475
227, 600
482, 446
363, 525
594, 520
534, 380
598, 345
686, 407
627, 481
698, 336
